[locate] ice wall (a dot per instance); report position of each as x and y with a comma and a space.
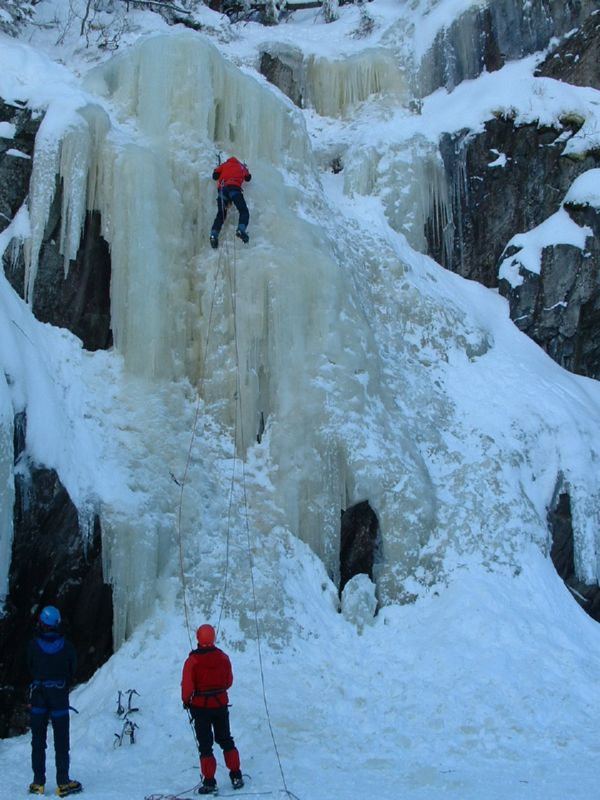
273, 336
7, 487
335, 87
409, 178
268, 387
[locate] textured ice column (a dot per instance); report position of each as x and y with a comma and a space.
586, 539
310, 375
335, 86
410, 179
63, 163
176, 85
42, 190
277, 327
7, 487
77, 169
155, 194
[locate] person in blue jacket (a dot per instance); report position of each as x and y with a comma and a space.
52, 661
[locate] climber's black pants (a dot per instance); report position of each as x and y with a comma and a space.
228, 195
39, 730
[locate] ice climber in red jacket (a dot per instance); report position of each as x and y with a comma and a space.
206, 677
230, 175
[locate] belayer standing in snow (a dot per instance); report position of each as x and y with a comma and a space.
230, 175
52, 661
207, 675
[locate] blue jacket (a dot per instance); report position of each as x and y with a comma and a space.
52, 662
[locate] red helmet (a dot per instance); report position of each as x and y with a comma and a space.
205, 635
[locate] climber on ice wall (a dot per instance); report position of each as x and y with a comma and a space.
230, 175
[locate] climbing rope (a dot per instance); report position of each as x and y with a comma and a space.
184, 477
238, 421
233, 289
235, 435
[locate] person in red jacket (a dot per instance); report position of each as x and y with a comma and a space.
230, 175
207, 675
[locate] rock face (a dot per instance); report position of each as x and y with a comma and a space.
15, 160
523, 171
79, 301
486, 37
56, 555
508, 180
577, 59
520, 170
54, 561
358, 542
560, 308
284, 68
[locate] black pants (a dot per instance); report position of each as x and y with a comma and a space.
208, 721
228, 195
39, 730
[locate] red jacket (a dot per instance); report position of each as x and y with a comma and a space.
231, 173
207, 675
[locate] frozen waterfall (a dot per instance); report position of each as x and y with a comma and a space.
303, 374
277, 327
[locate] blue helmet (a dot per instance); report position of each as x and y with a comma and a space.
50, 616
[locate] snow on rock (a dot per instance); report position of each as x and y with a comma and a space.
7, 130
585, 190
359, 602
557, 229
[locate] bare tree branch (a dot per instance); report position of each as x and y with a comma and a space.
170, 6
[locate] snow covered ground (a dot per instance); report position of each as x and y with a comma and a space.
488, 689
483, 688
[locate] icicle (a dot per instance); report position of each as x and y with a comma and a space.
63, 161
78, 174
585, 501
335, 86
438, 205
412, 182
43, 188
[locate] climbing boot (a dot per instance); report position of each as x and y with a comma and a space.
36, 788
236, 779
214, 240
241, 234
209, 786
71, 787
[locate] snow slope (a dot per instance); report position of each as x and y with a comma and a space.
487, 689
